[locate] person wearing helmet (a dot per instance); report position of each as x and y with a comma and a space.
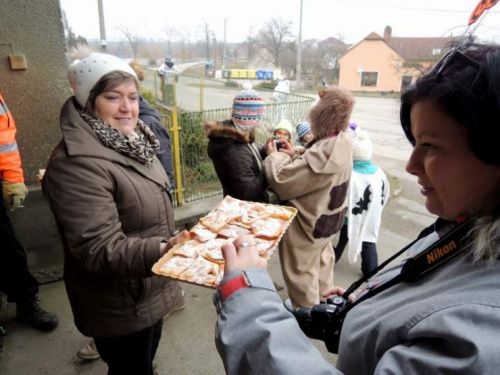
168, 75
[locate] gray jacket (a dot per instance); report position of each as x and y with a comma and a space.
446, 323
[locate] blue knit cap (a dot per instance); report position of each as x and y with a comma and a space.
303, 128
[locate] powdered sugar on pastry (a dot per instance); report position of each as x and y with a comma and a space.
187, 249
233, 231
202, 233
269, 228
199, 259
176, 265
217, 219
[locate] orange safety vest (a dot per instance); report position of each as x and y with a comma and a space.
10, 161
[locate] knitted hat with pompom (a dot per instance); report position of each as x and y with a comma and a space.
248, 110
362, 147
85, 73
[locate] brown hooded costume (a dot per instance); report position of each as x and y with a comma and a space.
316, 183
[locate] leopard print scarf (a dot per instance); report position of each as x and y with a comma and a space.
142, 145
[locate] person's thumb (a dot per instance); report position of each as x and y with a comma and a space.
230, 257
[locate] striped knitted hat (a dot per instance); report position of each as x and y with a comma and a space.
303, 128
248, 110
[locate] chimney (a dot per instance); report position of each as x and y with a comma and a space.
387, 33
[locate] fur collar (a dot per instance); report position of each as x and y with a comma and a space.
226, 129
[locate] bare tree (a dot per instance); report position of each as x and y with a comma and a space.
171, 33
185, 43
250, 45
133, 39
275, 37
72, 40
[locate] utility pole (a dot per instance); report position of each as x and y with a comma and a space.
215, 48
299, 50
224, 46
249, 47
102, 28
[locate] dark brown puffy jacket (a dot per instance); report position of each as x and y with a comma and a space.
112, 213
235, 163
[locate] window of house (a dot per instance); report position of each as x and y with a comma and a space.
436, 51
369, 78
405, 82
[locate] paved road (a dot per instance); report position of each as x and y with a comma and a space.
187, 345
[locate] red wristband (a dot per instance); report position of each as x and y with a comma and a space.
231, 286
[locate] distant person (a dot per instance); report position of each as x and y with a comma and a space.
368, 195
304, 133
109, 196
16, 281
231, 146
316, 184
168, 75
280, 99
281, 91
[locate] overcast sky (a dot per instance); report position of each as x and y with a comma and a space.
349, 20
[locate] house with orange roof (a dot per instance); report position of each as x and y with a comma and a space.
388, 64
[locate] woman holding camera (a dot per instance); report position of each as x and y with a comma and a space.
439, 312
231, 146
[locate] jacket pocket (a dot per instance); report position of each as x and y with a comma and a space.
136, 289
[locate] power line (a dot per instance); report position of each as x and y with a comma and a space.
387, 6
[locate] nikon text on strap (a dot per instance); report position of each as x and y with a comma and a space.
441, 251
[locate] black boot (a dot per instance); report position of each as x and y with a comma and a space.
30, 312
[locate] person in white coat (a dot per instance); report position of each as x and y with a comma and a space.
168, 75
368, 195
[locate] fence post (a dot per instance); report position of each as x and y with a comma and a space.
176, 145
202, 87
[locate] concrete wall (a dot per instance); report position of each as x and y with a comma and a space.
35, 96
33, 28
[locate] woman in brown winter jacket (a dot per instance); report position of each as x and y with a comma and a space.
109, 195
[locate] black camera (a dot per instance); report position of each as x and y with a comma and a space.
279, 144
323, 321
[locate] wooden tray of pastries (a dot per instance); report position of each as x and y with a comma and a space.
199, 260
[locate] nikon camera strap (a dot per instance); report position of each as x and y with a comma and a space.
438, 253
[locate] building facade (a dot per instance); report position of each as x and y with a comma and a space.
388, 64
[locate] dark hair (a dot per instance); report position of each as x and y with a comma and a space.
465, 85
107, 83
